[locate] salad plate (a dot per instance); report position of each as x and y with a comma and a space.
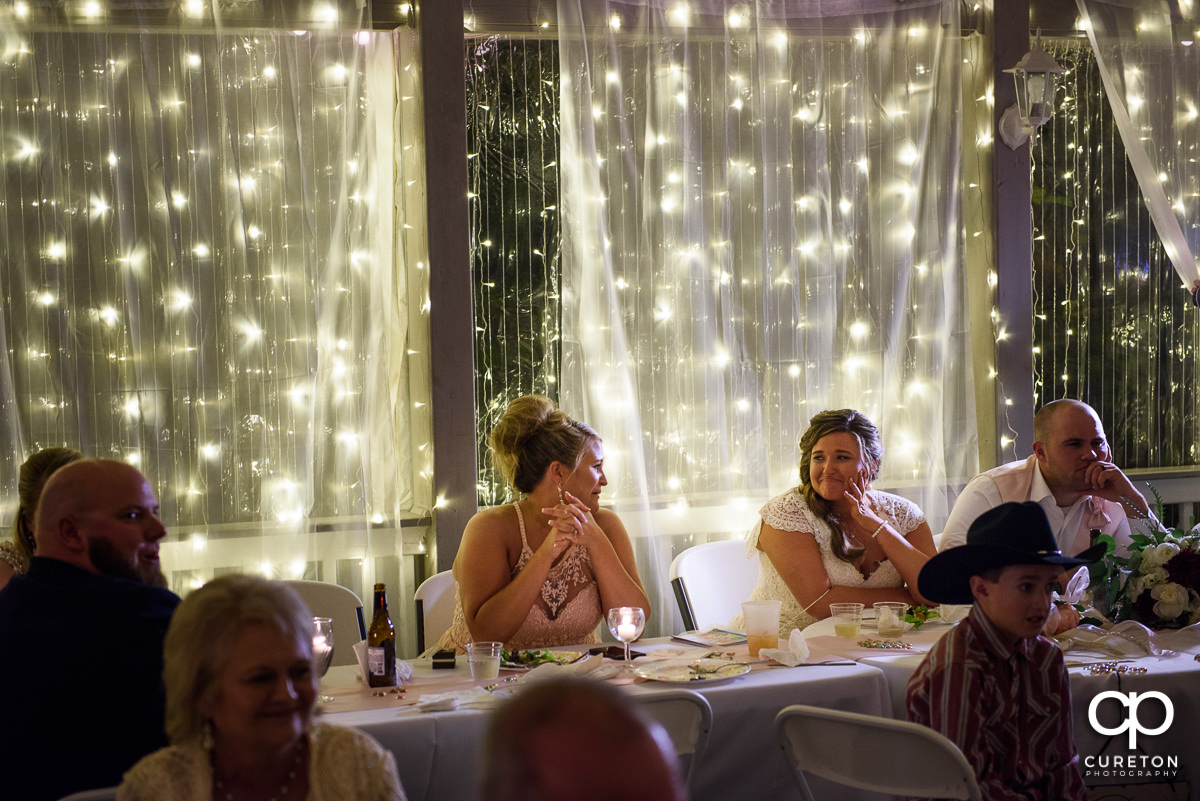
529, 659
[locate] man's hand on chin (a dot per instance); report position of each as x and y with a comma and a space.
1107, 481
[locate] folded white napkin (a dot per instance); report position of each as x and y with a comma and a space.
585, 667
404, 670
796, 652
474, 698
1076, 587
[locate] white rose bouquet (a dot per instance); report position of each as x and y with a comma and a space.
1157, 583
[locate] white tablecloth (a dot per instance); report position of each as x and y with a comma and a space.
1176, 674
439, 753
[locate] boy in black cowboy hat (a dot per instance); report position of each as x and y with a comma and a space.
993, 685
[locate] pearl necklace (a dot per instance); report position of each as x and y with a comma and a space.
283, 788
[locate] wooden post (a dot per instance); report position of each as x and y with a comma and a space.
451, 320
1014, 390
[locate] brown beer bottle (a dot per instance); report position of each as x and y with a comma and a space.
381, 643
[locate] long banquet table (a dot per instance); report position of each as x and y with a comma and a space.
438, 753
1176, 674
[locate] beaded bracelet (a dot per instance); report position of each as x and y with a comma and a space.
875, 533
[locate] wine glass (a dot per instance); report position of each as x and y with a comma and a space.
323, 648
626, 624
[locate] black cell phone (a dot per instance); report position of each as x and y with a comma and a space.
444, 659
614, 652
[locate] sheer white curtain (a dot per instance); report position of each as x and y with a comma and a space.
207, 272
761, 220
1149, 57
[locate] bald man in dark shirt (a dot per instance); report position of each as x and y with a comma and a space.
81, 636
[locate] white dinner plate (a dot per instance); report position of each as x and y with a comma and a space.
691, 670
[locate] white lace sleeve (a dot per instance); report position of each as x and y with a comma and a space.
902, 513
790, 512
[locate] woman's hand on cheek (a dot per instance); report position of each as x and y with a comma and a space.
860, 502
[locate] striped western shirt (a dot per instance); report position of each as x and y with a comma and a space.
1006, 706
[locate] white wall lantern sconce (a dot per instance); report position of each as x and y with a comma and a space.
1036, 76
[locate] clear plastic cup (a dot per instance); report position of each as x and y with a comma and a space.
847, 619
762, 624
484, 659
889, 618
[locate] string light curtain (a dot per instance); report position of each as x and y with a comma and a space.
761, 220
512, 162
1111, 325
207, 272
1149, 61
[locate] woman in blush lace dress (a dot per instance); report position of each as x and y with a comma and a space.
833, 539
542, 571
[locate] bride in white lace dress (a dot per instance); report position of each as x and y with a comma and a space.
833, 539
542, 571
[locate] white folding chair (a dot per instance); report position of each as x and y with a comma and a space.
871, 753
711, 581
435, 608
342, 606
101, 794
687, 717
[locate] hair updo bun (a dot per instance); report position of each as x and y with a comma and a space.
36, 470
531, 435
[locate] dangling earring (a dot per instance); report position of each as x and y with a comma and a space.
206, 737
31, 543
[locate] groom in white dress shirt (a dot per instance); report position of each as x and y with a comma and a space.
1070, 475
